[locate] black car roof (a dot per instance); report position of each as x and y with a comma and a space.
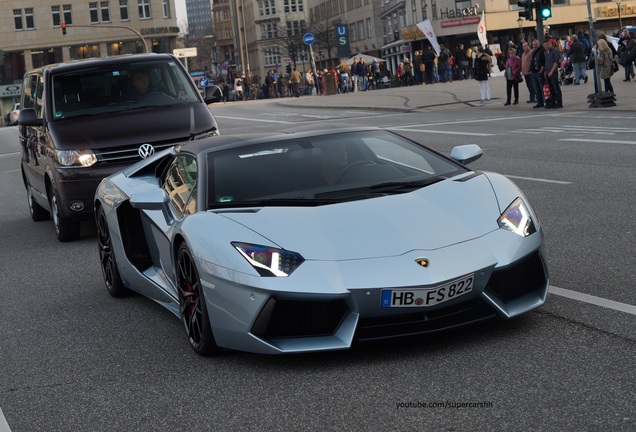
224, 142
87, 63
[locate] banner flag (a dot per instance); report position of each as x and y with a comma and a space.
481, 31
427, 29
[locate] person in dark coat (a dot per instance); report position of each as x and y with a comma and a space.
428, 58
577, 59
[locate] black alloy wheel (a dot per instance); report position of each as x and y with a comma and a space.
112, 279
192, 306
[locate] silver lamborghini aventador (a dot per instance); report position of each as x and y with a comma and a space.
299, 242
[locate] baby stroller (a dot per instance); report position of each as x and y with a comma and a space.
566, 72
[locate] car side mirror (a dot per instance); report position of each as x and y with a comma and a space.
466, 154
152, 200
27, 117
212, 94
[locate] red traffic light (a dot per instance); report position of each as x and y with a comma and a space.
63, 28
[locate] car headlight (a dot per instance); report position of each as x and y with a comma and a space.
268, 261
518, 219
206, 134
76, 158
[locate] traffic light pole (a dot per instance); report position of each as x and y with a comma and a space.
143, 41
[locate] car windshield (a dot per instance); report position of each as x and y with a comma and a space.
322, 169
120, 87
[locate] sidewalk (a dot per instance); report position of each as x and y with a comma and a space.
464, 93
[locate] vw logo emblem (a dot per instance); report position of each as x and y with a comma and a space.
146, 150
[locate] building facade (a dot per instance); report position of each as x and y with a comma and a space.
40, 32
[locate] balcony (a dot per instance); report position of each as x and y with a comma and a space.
391, 5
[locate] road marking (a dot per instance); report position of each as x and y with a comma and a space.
254, 119
406, 129
492, 119
598, 301
599, 141
539, 179
9, 154
4, 426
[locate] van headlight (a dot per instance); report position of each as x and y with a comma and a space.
76, 158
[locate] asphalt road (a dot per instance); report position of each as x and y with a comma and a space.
74, 359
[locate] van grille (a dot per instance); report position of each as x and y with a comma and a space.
128, 154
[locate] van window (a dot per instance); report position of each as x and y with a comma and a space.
123, 87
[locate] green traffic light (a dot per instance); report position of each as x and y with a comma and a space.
546, 13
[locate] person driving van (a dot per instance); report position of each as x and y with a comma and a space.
141, 82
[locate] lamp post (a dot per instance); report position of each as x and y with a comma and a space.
520, 24
620, 21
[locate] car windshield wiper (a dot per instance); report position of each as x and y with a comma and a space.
401, 186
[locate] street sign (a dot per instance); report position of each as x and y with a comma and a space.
309, 38
204, 82
185, 52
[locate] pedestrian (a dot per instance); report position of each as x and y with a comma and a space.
462, 62
537, 66
309, 82
552, 59
344, 77
513, 72
578, 59
605, 62
482, 70
443, 61
418, 68
526, 60
428, 58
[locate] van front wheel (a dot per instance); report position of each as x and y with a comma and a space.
65, 229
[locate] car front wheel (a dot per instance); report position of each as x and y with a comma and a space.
112, 279
66, 230
192, 306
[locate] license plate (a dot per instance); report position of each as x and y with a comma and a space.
429, 296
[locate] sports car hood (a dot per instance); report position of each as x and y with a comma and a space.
433, 217
148, 125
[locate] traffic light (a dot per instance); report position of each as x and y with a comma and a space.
288, 69
63, 28
545, 8
528, 12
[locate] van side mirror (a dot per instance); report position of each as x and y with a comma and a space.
212, 94
27, 117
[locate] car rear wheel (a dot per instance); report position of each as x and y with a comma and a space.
38, 213
66, 230
192, 306
112, 279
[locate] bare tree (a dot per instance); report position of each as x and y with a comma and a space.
325, 38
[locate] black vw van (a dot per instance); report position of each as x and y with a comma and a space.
82, 121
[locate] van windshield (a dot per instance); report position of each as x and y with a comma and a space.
121, 87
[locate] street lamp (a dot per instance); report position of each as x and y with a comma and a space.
520, 24
620, 21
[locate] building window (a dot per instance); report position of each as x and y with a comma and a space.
272, 57
105, 11
165, 6
369, 28
92, 8
144, 9
360, 29
17, 19
267, 7
268, 30
68, 14
293, 6
30, 20
56, 15
123, 10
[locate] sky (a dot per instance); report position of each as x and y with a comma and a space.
180, 11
